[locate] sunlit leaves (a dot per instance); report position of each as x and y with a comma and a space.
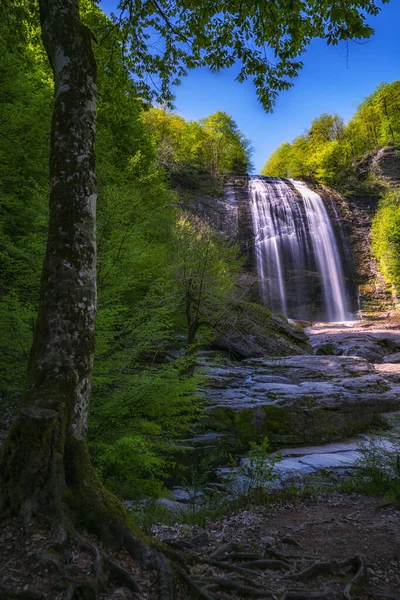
386, 239
198, 154
328, 148
161, 38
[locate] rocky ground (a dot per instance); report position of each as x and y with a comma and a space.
350, 384
329, 546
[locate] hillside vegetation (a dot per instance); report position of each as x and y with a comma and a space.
142, 399
338, 154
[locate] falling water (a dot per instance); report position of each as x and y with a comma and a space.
294, 239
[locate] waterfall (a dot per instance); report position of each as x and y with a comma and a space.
296, 254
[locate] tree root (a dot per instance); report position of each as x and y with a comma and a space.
199, 592
243, 556
318, 568
330, 567
121, 575
24, 594
226, 566
304, 595
224, 549
292, 542
98, 562
264, 564
151, 558
255, 561
359, 564
227, 584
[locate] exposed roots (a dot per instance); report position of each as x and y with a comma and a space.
24, 594
227, 584
358, 564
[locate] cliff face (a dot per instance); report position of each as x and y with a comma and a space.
356, 212
304, 292
385, 164
351, 217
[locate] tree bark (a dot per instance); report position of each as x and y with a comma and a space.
37, 463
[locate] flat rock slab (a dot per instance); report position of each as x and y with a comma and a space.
298, 399
375, 345
292, 463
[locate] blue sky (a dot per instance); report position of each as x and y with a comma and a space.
330, 82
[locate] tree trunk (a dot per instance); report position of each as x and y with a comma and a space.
39, 459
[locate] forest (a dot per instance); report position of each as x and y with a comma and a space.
149, 160
153, 407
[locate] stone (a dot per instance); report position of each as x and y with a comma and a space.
181, 495
249, 330
172, 505
289, 465
345, 446
373, 346
188, 495
392, 358
331, 460
386, 164
296, 400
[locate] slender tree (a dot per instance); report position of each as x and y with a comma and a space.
45, 466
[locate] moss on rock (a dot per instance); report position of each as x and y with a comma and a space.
250, 330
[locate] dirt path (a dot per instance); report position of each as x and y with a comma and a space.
330, 529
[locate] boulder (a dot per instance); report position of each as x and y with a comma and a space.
392, 358
374, 346
385, 164
249, 330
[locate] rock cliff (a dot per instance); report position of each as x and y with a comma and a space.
351, 216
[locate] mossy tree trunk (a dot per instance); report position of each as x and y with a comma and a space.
41, 454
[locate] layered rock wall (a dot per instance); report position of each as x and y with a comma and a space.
351, 217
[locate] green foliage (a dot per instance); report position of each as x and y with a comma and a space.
258, 470
385, 235
327, 151
142, 403
203, 277
197, 155
265, 39
278, 163
25, 112
139, 409
136, 418
378, 468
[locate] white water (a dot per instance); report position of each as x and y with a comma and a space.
291, 234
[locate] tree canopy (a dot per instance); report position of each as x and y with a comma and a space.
327, 150
164, 39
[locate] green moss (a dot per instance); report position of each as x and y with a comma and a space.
25, 460
308, 401
275, 420
90, 502
252, 325
245, 427
327, 349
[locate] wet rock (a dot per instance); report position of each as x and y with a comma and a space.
297, 400
373, 346
392, 358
